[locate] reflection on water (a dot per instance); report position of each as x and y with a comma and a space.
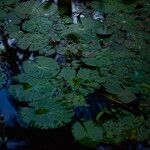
11, 122
7, 110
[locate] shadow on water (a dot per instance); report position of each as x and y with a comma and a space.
7, 110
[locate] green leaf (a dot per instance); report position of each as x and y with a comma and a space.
89, 134
34, 41
24, 9
126, 96
74, 100
68, 74
45, 114
103, 33
42, 67
9, 2
2, 15
37, 89
38, 24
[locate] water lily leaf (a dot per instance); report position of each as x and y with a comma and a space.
113, 86
38, 24
100, 60
15, 34
46, 114
72, 29
144, 131
126, 97
30, 89
48, 50
42, 68
103, 33
89, 134
9, 2
34, 41
126, 128
24, 9
112, 131
90, 25
10, 29
2, 15
84, 74
12, 18
38, 9
111, 6
68, 74
25, 78
74, 100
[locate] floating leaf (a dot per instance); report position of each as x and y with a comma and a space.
89, 134
30, 89
103, 33
38, 24
126, 96
126, 128
74, 100
2, 15
41, 68
34, 41
45, 114
113, 131
68, 74
24, 9
9, 2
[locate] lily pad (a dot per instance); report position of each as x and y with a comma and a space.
33, 41
42, 67
88, 134
38, 24
24, 9
103, 33
46, 114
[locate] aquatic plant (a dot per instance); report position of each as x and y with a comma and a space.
109, 57
45, 114
88, 133
126, 127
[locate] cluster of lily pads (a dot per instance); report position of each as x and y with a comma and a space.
73, 60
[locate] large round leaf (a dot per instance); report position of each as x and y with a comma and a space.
88, 134
33, 89
42, 67
45, 114
24, 9
34, 41
38, 24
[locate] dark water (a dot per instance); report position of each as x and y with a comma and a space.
6, 109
